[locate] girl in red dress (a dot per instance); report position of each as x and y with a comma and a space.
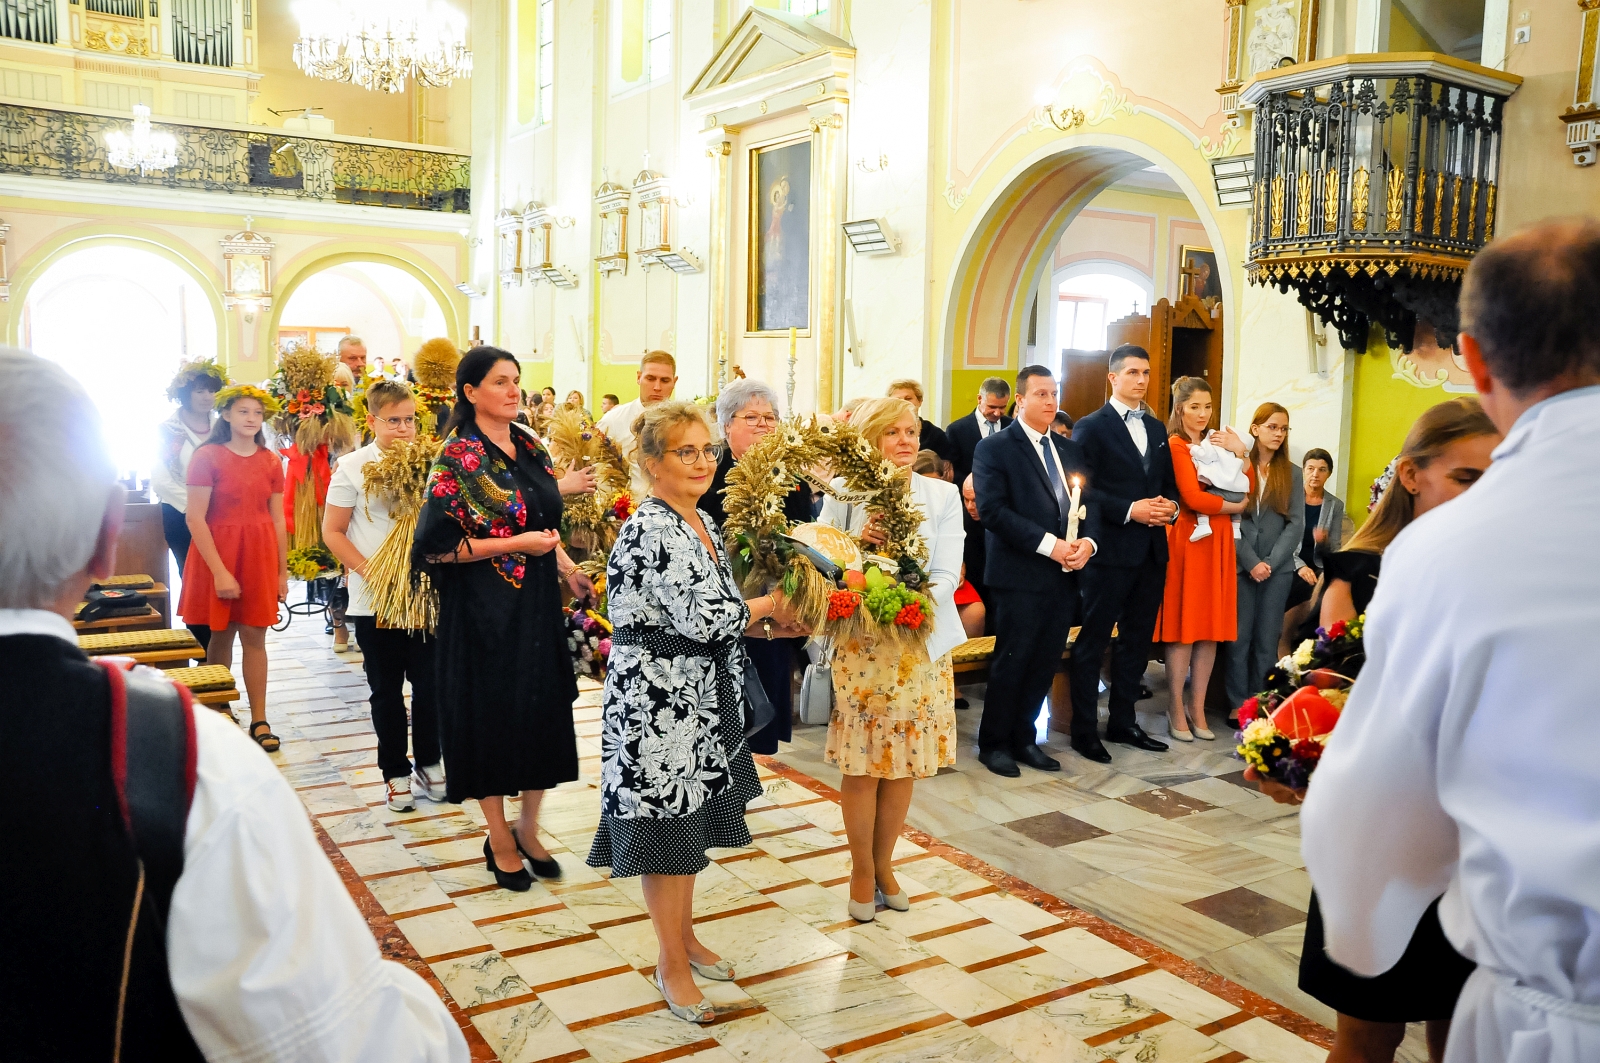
1199, 607
237, 571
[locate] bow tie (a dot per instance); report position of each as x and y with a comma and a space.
1131, 416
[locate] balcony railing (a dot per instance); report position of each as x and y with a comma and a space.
48, 142
1376, 178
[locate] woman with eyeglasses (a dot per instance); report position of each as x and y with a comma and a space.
676, 771
747, 410
489, 533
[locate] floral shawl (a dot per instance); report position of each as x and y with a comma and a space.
479, 492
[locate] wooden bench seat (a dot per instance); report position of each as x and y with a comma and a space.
210, 684
158, 646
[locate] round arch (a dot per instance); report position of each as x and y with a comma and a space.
1012, 237
87, 237
303, 268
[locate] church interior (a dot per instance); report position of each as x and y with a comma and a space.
827, 196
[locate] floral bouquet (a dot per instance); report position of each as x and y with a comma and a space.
588, 641
314, 418
589, 523
306, 563
1284, 728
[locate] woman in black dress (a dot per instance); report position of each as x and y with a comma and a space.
1445, 453
505, 683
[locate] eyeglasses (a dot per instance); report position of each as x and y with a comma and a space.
399, 422
759, 420
687, 455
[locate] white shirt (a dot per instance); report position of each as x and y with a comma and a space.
1048, 543
986, 427
269, 957
170, 475
369, 520
1464, 763
1135, 427
618, 427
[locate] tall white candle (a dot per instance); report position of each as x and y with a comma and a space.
1074, 511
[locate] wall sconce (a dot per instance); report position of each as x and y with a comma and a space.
1065, 119
1233, 175
678, 261
247, 271
869, 237
559, 276
1582, 119
538, 221
469, 291
612, 199
654, 192
508, 247
878, 166
5, 272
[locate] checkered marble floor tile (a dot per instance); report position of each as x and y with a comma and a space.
988, 965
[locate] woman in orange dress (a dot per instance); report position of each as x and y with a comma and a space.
237, 571
1199, 608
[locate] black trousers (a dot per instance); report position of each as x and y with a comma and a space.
1128, 599
1030, 634
176, 530
393, 656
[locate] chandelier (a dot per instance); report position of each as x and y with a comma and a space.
377, 44
140, 149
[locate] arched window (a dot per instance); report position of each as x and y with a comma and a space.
1089, 301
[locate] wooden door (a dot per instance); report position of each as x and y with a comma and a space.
1085, 385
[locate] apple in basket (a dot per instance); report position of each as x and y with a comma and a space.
1305, 714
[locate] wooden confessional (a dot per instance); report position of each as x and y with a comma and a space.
1184, 339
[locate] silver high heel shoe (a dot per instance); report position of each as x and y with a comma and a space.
864, 911
721, 971
897, 901
701, 1013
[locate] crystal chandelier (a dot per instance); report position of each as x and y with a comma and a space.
141, 149
377, 44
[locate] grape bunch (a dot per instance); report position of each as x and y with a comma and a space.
885, 602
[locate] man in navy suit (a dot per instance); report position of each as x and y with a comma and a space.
989, 418
1131, 479
1023, 477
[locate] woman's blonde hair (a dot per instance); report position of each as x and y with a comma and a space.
1437, 428
1183, 389
1280, 475
876, 416
655, 425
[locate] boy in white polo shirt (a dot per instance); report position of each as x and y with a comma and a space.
354, 526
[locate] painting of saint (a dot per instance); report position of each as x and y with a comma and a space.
780, 237
1205, 283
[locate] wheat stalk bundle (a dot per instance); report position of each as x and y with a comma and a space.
757, 485
401, 597
592, 520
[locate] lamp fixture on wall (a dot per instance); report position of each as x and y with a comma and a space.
377, 44
469, 291
247, 271
612, 200
654, 193
138, 148
869, 237
1234, 175
877, 165
1582, 119
508, 247
538, 221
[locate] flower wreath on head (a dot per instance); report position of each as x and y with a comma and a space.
189, 372
877, 591
234, 392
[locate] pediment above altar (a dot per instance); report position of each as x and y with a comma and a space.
770, 52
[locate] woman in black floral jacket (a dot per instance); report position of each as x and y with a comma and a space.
676, 771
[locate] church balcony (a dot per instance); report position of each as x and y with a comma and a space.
243, 160
1375, 183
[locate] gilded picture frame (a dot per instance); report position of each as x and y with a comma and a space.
778, 268
1209, 281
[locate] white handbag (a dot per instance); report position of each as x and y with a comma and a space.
816, 688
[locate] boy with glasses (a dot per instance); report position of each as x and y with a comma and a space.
354, 525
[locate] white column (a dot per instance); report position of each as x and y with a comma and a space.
1371, 26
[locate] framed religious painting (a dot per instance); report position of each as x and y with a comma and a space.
1205, 283
779, 280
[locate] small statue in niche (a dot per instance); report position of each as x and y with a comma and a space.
1273, 38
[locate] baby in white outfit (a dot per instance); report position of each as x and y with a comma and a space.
1222, 474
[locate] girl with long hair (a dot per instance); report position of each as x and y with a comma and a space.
238, 566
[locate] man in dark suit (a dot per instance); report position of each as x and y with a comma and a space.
1024, 476
932, 437
1132, 481
987, 420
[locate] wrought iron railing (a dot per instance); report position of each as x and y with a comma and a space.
28, 20
47, 142
1376, 179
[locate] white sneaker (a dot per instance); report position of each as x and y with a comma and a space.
430, 782
400, 794
1202, 528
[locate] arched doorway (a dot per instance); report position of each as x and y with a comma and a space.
122, 320
1009, 252
388, 308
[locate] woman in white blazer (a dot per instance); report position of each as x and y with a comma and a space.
894, 718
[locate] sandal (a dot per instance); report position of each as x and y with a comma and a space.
265, 738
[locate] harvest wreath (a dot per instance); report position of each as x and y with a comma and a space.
401, 596
589, 521
839, 587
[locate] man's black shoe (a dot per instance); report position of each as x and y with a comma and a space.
1034, 757
1000, 762
963, 703
1091, 749
1145, 693
1134, 736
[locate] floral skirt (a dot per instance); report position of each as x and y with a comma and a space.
894, 713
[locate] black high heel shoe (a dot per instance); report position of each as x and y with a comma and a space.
518, 881
542, 868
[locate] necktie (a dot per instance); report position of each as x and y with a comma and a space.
1056, 485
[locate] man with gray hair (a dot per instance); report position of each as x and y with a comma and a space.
983, 422
187, 903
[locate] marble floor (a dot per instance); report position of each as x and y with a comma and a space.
1149, 910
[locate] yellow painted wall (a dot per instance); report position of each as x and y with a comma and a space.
1404, 33
1383, 409
354, 110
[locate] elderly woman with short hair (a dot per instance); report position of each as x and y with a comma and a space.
747, 410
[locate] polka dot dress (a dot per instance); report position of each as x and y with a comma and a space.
677, 845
